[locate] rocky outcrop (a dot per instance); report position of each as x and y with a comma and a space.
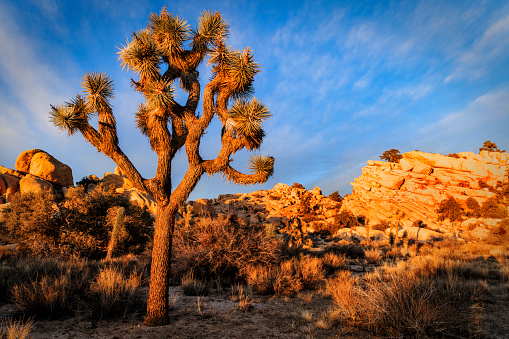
43, 165
418, 183
31, 183
36, 170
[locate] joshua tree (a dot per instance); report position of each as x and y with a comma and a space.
165, 53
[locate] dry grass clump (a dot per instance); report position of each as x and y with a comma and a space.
114, 293
46, 296
260, 278
16, 329
193, 286
55, 287
45, 287
243, 295
402, 303
373, 256
333, 262
350, 250
287, 281
296, 274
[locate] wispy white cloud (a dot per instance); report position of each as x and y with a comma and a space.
484, 118
476, 60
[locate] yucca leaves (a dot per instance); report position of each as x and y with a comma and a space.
141, 54
169, 31
241, 70
141, 119
219, 56
159, 93
67, 118
248, 118
210, 27
99, 90
261, 165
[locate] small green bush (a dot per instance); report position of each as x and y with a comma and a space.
491, 208
392, 155
450, 209
475, 208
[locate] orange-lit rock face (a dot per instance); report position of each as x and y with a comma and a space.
41, 164
420, 181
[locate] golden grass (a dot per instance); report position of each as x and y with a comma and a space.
46, 296
114, 292
373, 256
12, 329
425, 297
192, 286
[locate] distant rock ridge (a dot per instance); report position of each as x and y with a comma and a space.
420, 181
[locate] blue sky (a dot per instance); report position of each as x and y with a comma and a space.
345, 81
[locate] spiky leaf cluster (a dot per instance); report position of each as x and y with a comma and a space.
70, 117
170, 32
159, 93
261, 165
141, 118
99, 89
248, 118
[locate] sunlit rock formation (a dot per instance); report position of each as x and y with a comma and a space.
417, 184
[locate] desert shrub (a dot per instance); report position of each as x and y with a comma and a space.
16, 329
89, 219
381, 226
402, 304
491, 208
87, 182
500, 234
112, 293
449, 209
349, 250
345, 219
335, 196
260, 278
490, 147
483, 184
79, 225
193, 286
287, 281
419, 223
392, 155
32, 218
474, 206
220, 248
453, 155
297, 185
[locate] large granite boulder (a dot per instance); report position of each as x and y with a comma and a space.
43, 165
31, 183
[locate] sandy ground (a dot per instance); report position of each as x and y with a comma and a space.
215, 316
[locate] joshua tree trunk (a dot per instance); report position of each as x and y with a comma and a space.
157, 303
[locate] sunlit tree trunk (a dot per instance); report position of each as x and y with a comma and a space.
157, 303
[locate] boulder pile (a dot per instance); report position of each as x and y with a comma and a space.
36, 170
